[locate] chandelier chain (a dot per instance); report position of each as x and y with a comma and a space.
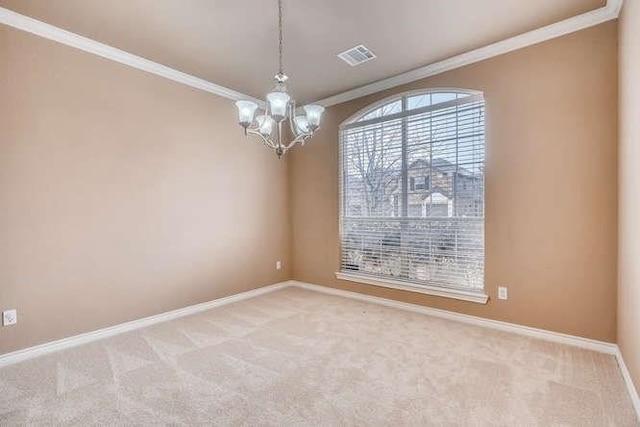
281, 70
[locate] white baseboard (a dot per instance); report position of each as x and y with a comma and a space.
27, 353
599, 346
633, 393
50, 347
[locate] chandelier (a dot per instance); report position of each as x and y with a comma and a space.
279, 108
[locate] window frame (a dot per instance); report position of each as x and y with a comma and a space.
355, 120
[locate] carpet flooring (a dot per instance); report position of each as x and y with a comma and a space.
298, 357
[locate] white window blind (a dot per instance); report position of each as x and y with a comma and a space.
412, 191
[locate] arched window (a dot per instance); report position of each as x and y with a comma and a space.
412, 193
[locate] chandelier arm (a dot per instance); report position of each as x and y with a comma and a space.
299, 139
291, 144
264, 139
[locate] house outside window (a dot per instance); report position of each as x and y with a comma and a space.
414, 167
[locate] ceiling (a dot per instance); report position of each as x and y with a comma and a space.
233, 43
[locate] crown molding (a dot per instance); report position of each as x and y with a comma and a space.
615, 6
579, 22
42, 29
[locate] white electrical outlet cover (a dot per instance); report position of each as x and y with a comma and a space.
278, 265
9, 317
502, 292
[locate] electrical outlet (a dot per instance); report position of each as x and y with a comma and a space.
502, 292
9, 317
278, 265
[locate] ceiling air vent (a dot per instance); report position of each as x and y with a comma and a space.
356, 55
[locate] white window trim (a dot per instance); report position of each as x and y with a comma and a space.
477, 297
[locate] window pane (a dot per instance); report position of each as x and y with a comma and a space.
441, 97
419, 101
385, 110
372, 169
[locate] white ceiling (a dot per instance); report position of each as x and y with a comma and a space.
234, 42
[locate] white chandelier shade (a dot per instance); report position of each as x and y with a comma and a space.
314, 113
246, 110
279, 107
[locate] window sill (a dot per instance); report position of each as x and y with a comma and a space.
477, 297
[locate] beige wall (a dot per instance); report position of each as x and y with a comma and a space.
123, 194
629, 222
551, 187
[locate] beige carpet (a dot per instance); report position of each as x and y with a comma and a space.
296, 357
